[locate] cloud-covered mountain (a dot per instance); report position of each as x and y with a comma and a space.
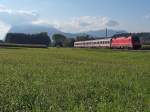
102, 33
32, 29
30, 21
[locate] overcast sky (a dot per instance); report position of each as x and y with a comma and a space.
77, 15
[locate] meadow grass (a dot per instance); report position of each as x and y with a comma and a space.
74, 80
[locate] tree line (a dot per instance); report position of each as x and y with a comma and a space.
21, 38
59, 40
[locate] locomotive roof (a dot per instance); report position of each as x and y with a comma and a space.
124, 35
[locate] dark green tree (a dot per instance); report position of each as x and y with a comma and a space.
58, 40
21, 38
1, 41
84, 38
69, 42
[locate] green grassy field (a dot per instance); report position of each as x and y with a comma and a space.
74, 80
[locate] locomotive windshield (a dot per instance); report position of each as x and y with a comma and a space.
136, 39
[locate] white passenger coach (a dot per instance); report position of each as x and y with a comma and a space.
99, 43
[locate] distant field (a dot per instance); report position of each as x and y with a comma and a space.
74, 80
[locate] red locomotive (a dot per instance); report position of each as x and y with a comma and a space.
130, 42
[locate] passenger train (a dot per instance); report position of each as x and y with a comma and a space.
130, 42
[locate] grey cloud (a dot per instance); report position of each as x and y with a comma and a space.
14, 17
84, 24
147, 16
112, 23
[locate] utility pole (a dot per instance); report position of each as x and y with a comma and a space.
106, 32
